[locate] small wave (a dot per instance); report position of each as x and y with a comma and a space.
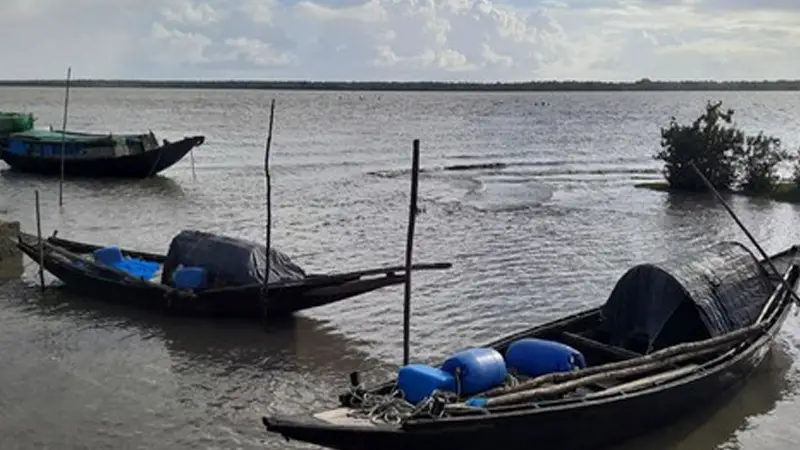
508, 197
471, 185
496, 165
561, 172
396, 173
554, 162
503, 167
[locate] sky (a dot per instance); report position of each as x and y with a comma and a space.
377, 40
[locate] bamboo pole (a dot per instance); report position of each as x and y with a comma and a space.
646, 382
661, 355
63, 139
40, 242
567, 386
191, 158
776, 294
412, 215
268, 181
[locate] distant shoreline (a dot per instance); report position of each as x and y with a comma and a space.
421, 86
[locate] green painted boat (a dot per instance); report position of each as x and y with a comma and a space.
15, 122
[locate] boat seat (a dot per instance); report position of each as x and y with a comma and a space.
617, 353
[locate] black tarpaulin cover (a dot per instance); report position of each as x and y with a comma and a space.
703, 294
236, 262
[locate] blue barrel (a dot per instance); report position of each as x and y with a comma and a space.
110, 256
477, 369
418, 381
190, 278
534, 357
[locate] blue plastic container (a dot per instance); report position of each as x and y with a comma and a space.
110, 256
418, 381
17, 147
139, 267
190, 278
534, 357
477, 369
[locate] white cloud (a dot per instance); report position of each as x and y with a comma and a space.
178, 47
258, 11
260, 54
402, 39
186, 12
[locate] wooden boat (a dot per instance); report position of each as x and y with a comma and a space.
147, 280
672, 339
15, 122
93, 155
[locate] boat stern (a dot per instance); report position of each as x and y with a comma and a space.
337, 429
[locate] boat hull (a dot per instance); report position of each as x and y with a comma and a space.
140, 165
583, 423
575, 427
241, 302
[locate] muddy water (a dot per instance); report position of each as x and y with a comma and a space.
534, 205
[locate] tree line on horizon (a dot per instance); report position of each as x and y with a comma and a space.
644, 84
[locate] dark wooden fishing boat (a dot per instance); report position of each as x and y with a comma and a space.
148, 280
93, 155
672, 339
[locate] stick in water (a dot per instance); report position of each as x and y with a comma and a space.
41, 242
63, 139
412, 215
764, 255
191, 158
264, 289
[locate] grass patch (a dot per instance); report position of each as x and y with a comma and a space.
787, 192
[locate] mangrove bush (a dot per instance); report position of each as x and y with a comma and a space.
723, 153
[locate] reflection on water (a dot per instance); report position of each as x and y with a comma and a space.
138, 369
719, 428
157, 186
539, 219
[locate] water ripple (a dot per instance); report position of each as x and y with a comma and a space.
529, 195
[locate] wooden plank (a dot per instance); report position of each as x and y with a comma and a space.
578, 340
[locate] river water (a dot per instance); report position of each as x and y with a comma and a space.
531, 196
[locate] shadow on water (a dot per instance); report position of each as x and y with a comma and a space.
296, 343
163, 380
156, 186
716, 426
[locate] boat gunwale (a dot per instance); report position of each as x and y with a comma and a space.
412, 426
310, 283
744, 349
195, 141
762, 339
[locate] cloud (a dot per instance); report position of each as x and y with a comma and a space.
484, 40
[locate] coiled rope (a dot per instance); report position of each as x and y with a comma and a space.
394, 409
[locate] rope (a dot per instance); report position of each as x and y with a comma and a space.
393, 408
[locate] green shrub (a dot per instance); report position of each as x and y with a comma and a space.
710, 141
722, 152
759, 162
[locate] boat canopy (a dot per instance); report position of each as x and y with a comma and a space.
704, 294
233, 261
